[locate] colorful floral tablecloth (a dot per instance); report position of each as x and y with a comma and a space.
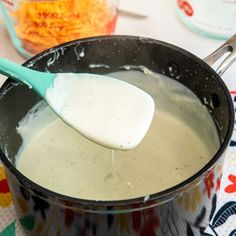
223, 222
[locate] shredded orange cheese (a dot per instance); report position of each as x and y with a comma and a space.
42, 24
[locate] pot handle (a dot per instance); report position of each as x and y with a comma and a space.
229, 47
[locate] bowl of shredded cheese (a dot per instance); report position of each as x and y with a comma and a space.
36, 25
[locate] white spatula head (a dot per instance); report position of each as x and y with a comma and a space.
108, 111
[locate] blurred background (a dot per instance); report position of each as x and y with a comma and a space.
158, 19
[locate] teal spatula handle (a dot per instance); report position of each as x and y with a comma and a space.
38, 81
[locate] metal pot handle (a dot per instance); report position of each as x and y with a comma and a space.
228, 47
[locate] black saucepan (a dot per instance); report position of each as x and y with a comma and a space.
175, 211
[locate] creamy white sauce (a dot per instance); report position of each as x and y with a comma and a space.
108, 111
181, 140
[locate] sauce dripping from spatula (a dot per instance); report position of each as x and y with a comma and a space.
108, 111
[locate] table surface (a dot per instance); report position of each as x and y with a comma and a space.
162, 23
